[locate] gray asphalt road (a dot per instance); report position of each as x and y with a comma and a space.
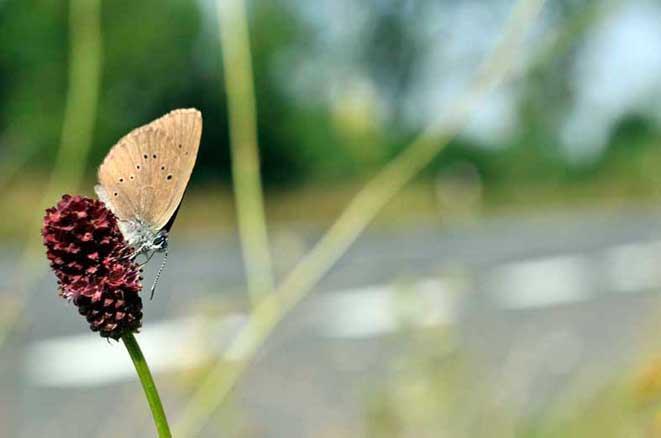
531, 301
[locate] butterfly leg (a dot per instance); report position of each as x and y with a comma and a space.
151, 254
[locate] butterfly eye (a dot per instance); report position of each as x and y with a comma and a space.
115, 193
169, 177
121, 180
146, 156
131, 177
137, 167
162, 167
153, 156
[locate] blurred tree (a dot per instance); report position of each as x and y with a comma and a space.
162, 55
33, 48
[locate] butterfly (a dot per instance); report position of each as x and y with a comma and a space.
143, 178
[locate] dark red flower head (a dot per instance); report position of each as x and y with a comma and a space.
94, 264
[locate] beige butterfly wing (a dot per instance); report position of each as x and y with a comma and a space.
144, 176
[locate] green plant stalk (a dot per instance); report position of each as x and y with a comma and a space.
357, 216
85, 58
148, 385
237, 66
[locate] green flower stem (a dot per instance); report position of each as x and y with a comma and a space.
148, 385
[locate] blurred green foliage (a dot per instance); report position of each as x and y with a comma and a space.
162, 55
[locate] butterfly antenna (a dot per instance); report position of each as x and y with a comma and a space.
158, 275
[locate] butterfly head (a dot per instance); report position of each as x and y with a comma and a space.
160, 242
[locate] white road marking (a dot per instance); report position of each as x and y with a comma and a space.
87, 360
380, 310
542, 282
633, 267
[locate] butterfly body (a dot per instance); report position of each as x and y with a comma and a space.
138, 233
144, 176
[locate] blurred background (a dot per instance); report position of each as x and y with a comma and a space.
512, 289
